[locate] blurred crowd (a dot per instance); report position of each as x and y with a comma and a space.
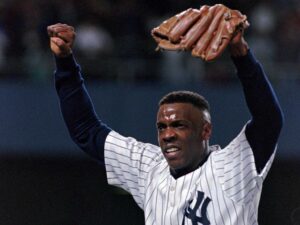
113, 40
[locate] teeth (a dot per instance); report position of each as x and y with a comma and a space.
171, 150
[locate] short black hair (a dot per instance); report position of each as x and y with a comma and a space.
185, 97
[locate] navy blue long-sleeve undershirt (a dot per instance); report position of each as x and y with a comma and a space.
89, 132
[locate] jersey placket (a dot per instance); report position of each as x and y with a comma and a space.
170, 202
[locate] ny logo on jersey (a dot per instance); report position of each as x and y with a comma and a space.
191, 213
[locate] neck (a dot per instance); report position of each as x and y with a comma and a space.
176, 173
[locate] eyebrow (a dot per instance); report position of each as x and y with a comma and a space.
172, 122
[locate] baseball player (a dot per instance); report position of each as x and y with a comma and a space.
184, 180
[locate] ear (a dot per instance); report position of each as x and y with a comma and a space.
207, 130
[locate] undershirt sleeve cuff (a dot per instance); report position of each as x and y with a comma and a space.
66, 63
245, 65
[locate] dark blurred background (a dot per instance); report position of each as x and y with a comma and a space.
46, 180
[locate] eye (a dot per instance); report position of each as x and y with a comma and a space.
160, 127
179, 125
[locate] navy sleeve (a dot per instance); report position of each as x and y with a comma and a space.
263, 130
84, 126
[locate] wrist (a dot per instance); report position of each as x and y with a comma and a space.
66, 62
64, 54
246, 65
239, 49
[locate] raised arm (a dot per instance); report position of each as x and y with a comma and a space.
84, 126
265, 125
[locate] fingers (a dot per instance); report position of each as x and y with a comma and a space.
62, 31
61, 39
59, 47
203, 43
61, 44
191, 37
59, 27
237, 36
218, 42
188, 18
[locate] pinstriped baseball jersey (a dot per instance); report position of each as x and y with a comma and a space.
224, 190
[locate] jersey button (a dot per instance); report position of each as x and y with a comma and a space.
172, 188
172, 204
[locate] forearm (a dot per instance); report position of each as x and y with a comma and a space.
84, 126
267, 119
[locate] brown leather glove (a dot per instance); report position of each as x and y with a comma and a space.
205, 32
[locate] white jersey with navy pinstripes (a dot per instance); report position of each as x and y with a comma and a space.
225, 190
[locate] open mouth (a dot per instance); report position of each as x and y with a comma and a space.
171, 152
172, 149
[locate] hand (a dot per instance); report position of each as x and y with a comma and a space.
62, 37
238, 46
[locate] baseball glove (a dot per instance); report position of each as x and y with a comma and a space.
205, 32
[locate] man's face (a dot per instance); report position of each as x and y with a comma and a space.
182, 133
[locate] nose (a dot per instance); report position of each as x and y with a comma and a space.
168, 135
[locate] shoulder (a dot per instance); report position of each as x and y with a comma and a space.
238, 151
128, 148
240, 141
115, 139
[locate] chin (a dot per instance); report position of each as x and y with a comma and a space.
175, 166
